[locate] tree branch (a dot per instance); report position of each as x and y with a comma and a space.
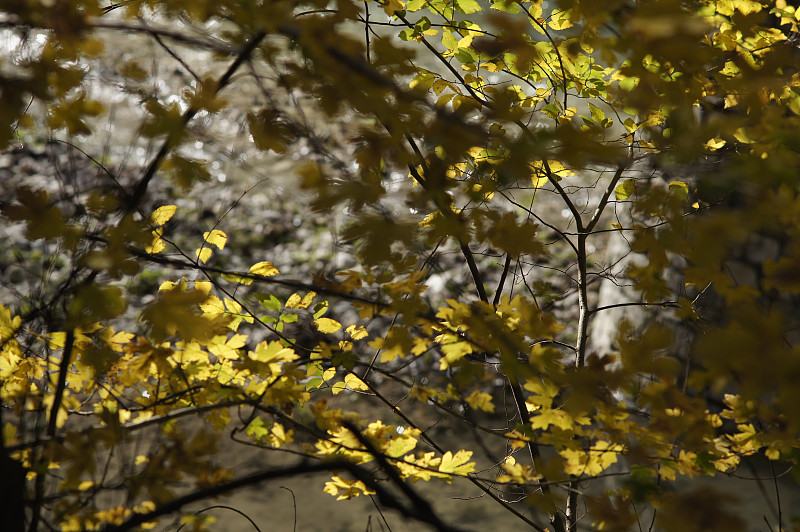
139, 190
178, 503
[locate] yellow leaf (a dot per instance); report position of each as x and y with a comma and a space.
480, 401
625, 189
307, 300
167, 285
390, 6
457, 463
597, 459
518, 473
264, 268
348, 488
272, 352
157, 245
212, 306
279, 435
715, 143
354, 383
538, 181
357, 333
216, 237
233, 306
227, 348
85, 485
454, 352
772, 454
294, 301
548, 416
327, 325
203, 254
9, 433
203, 286
56, 340
163, 214
742, 136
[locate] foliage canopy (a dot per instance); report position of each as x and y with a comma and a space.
454, 127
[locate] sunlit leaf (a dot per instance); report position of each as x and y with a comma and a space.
265, 268
327, 325
163, 214
216, 237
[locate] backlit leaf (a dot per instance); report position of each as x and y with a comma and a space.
216, 237
163, 214
327, 325
458, 463
265, 268
625, 189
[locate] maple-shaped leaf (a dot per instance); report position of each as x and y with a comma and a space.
402, 444
176, 312
454, 352
480, 401
257, 429
547, 416
186, 172
344, 489
271, 352
227, 348
457, 464
519, 473
357, 333
44, 220
269, 131
279, 436
71, 114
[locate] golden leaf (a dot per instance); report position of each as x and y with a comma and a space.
327, 325
264, 268
163, 214
216, 237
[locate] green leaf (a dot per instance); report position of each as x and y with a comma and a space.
449, 40
269, 301
625, 189
320, 309
467, 6
408, 34
289, 318
680, 189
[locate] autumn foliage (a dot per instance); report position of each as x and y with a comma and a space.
516, 139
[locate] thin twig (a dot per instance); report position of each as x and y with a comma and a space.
135, 197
